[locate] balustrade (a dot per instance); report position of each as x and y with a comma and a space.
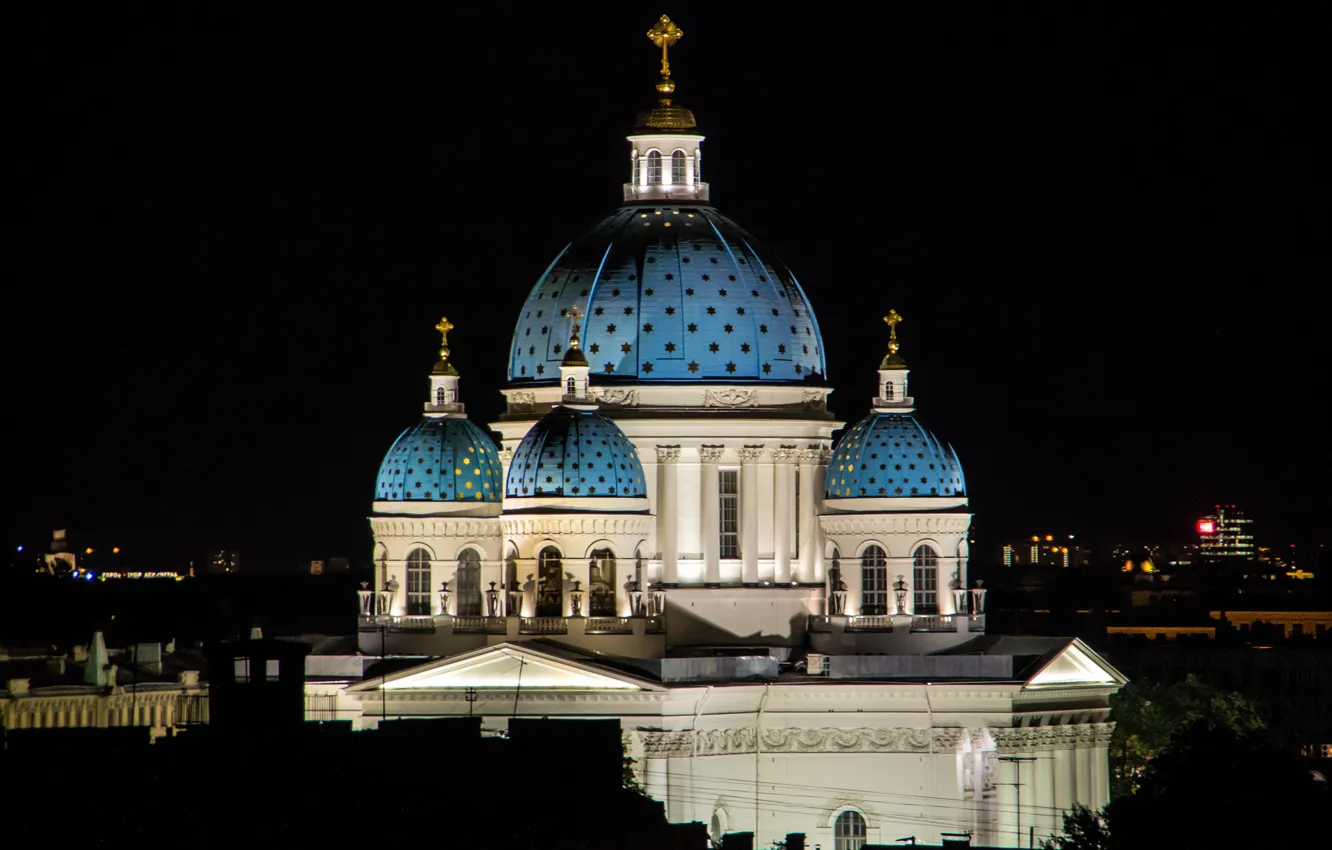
544, 626
608, 626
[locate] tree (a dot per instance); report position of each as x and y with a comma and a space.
1148, 714
1083, 830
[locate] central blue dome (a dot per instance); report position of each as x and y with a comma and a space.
673, 293
572, 452
891, 455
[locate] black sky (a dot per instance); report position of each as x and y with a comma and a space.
1106, 227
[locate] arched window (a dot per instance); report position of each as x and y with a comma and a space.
468, 589
601, 581
925, 573
873, 582
441, 395
888, 390
654, 168
678, 168
418, 582
571, 386
849, 831
550, 583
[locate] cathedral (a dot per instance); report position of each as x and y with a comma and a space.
664, 531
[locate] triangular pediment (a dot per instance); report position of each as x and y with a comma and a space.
1076, 665
509, 667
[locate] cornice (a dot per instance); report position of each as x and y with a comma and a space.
1043, 738
422, 527
572, 524
856, 524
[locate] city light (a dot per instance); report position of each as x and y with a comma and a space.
1206, 526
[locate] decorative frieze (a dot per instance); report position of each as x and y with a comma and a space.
515, 526
521, 401
435, 527
1040, 738
730, 397
876, 524
713, 742
617, 396
663, 745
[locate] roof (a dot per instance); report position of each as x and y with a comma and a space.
440, 459
892, 455
572, 451
673, 293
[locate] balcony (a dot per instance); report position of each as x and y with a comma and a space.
480, 625
888, 623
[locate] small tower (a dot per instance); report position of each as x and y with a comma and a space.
443, 399
893, 371
574, 366
665, 155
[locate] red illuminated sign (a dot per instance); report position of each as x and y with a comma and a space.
1206, 526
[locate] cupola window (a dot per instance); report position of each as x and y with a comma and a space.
441, 396
926, 574
571, 387
678, 168
654, 168
873, 582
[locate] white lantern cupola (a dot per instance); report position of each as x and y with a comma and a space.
443, 400
893, 372
574, 367
665, 153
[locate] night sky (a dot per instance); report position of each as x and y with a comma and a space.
236, 227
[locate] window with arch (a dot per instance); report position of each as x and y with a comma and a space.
601, 584
678, 168
925, 575
571, 387
654, 168
418, 583
550, 583
441, 395
873, 581
849, 831
468, 590
888, 390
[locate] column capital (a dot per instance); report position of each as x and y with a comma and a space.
506, 456
711, 454
785, 454
668, 454
817, 455
752, 454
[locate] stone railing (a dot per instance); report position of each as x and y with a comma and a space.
608, 626
544, 626
412, 623
477, 624
869, 623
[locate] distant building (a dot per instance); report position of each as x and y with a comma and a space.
1227, 533
223, 562
1044, 551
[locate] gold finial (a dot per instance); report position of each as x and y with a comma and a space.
444, 367
574, 356
664, 35
892, 320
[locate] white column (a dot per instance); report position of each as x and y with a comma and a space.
1064, 782
710, 508
1042, 795
766, 530
783, 513
1007, 796
1100, 769
668, 508
749, 512
506, 458
655, 778
816, 492
809, 520
1083, 759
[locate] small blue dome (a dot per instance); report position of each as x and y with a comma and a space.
673, 293
572, 452
892, 455
441, 459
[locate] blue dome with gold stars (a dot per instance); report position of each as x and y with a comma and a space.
575, 452
441, 459
673, 293
892, 455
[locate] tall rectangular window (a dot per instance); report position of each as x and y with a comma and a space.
729, 490
797, 513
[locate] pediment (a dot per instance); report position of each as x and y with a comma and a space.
507, 667
1076, 665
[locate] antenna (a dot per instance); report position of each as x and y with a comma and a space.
521, 664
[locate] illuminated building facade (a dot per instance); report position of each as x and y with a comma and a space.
667, 534
1225, 534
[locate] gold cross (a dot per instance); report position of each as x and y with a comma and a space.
665, 34
893, 319
444, 327
577, 314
